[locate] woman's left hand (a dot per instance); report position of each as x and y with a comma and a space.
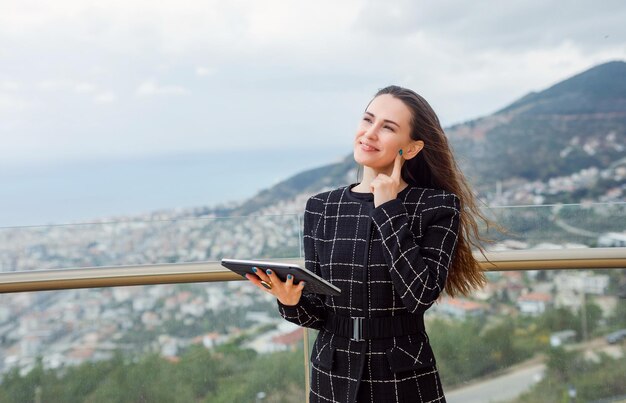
286, 291
387, 187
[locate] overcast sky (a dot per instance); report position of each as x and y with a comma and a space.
81, 79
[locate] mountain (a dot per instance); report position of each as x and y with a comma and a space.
575, 124
572, 126
310, 181
601, 89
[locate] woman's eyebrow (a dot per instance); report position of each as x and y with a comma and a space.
384, 120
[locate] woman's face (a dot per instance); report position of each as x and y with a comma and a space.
384, 129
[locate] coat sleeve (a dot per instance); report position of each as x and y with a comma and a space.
310, 311
418, 271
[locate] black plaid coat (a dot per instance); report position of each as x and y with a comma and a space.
387, 260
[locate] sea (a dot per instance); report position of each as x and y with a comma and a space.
93, 189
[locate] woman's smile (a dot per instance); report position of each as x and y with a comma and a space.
367, 148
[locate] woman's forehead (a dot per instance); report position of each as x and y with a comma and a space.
389, 107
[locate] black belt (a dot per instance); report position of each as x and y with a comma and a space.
359, 328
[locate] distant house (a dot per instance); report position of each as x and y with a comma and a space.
534, 303
290, 340
584, 281
460, 308
612, 239
150, 319
194, 308
562, 337
78, 355
286, 336
210, 340
514, 284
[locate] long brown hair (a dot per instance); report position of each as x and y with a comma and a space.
435, 167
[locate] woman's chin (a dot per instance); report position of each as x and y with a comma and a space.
360, 160
369, 161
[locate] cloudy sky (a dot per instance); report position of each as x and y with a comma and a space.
84, 79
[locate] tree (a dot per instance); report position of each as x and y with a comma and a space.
558, 319
618, 320
199, 368
593, 316
562, 364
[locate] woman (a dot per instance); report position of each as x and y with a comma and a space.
392, 243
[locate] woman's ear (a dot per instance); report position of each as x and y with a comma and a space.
413, 149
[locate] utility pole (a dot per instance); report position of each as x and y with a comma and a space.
583, 312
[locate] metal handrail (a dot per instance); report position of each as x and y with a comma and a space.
114, 276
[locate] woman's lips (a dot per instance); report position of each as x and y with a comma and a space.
365, 147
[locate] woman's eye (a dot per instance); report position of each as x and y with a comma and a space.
388, 127
367, 119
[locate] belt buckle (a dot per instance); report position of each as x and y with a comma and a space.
357, 329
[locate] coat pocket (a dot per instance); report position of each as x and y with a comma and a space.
410, 356
324, 357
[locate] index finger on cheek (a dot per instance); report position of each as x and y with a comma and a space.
397, 166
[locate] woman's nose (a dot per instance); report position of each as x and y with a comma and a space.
371, 131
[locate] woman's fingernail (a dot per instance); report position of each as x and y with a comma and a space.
268, 271
289, 276
400, 152
254, 269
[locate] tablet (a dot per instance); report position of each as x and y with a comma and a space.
314, 284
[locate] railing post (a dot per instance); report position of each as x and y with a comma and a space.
306, 364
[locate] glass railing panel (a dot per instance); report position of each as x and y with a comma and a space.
198, 239
149, 242
550, 337
53, 333
533, 336
559, 226
218, 342
562, 331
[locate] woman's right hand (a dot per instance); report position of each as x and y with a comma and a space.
286, 291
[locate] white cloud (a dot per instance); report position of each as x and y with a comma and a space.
106, 97
150, 88
204, 71
10, 102
289, 67
491, 24
84, 88
10, 85
55, 84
